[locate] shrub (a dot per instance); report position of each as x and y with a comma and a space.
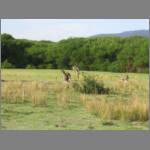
44, 66
90, 85
41, 66
7, 64
49, 66
30, 66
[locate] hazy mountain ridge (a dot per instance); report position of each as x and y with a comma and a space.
126, 33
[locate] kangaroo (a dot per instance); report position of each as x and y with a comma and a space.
126, 78
67, 76
76, 70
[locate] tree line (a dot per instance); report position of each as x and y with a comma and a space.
115, 54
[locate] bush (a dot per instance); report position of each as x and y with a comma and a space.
44, 66
114, 67
90, 86
41, 66
49, 66
30, 66
7, 64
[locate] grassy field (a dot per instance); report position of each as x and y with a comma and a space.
40, 100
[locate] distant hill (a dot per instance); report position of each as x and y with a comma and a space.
126, 33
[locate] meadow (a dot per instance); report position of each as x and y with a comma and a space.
39, 99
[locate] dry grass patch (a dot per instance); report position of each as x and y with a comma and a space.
63, 98
131, 110
129, 86
20, 92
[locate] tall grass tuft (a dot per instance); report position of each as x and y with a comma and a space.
64, 94
21, 92
63, 99
132, 110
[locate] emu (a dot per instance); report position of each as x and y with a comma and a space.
67, 76
76, 70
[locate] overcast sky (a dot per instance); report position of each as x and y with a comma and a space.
57, 29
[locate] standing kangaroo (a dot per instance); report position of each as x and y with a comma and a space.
76, 70
67, 76
126, 78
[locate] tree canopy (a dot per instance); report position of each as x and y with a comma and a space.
116, 54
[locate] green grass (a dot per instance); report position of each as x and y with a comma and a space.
74, 116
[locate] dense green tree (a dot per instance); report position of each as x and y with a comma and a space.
116, 54
14, 50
